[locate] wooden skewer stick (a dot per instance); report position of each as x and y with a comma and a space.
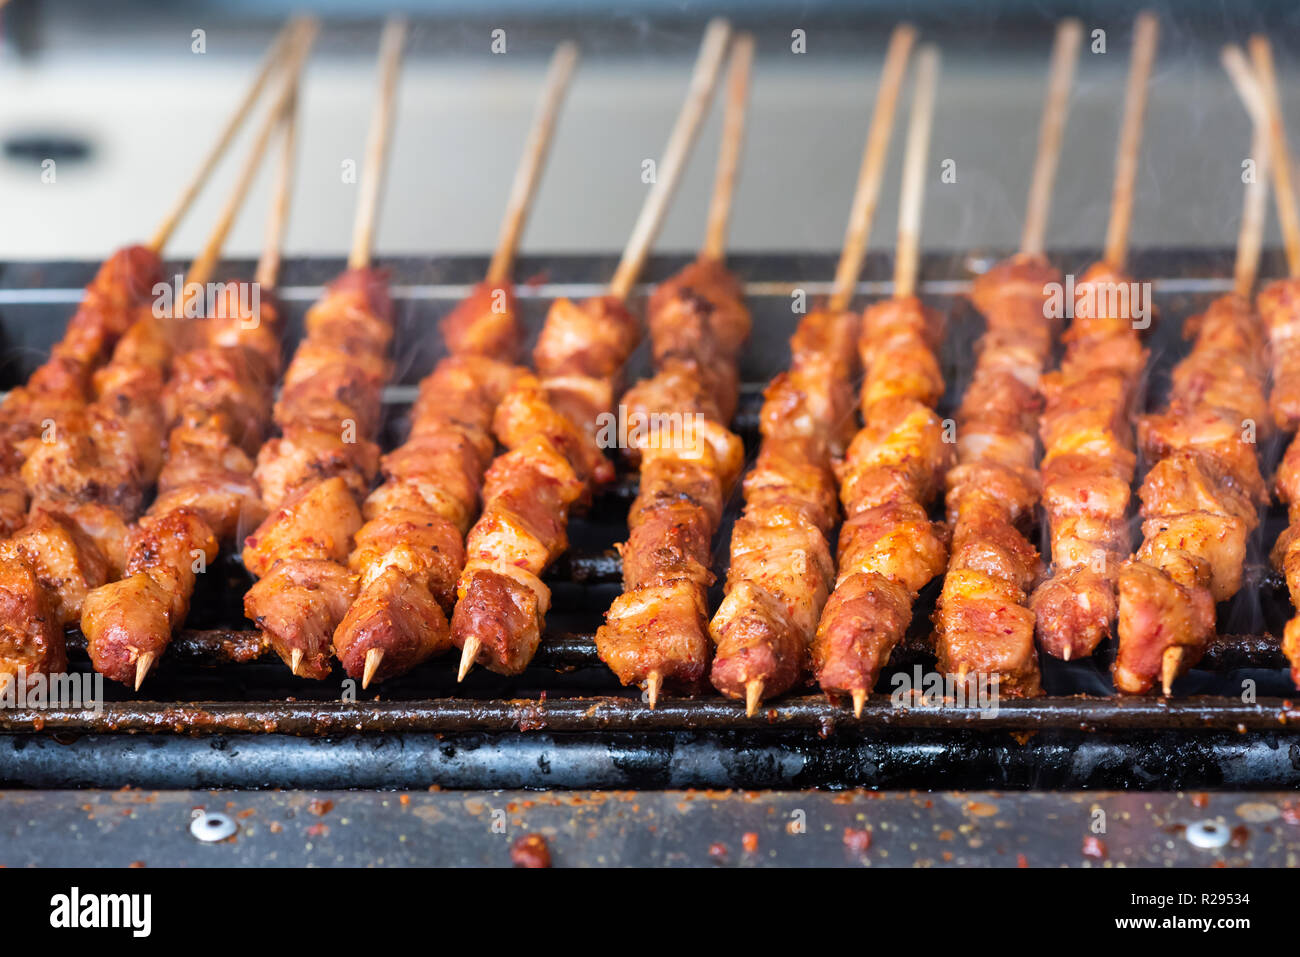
529, 172
1171, 666
1145, 37
373, 657
1051, 130
381, 126
652, 685
205, 263
1254, 213
872, 170
270, 64
1261, 54
733, 138
907, 258
703, 80
268, 267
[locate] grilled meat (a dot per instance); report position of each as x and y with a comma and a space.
86, 477
314, 474
550, 425
1279, 307
888, 547
983, 623
216, 403
781, 568
658, 628
1200, 501
1087, 468
62, 385
411, 550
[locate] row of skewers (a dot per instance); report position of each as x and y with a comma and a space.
449, 549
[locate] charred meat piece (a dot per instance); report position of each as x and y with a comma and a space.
888, 548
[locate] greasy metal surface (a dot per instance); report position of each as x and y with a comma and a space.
811, 713
667, 828
882, 759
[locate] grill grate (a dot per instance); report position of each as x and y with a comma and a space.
218, 681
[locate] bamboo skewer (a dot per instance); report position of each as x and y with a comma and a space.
529, 172
733, 138
668, 172
1145, 36
268, 266
715, 236
205, 262
271, 63
704, 78
1254, 213
912, 192
381, 126
1261, 54
715, 240
1051, 129
280, 116
872, 170
907, 256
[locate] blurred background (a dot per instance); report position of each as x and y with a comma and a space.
116, 95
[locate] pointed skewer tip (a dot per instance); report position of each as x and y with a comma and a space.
295, 659
859, 701
467, 656
373, 657
1171, 664
753, 695
652, 685
142, 666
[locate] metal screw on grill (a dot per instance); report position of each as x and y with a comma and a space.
1207, 834
211, 826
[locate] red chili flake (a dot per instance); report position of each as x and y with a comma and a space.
1239, 836
404, 800
1201, 800
1022, 861
530, 850
136, 864
318, 830
718, 852
857, 840
750, 842
1291, 813
320, 808
1094, 846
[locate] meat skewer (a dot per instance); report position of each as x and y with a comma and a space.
888, 547
1279, 307
216, 411
313, 475
1201, 497
658, 628
550, 425
122, 286
88, 481
983, 625
411, 550
781, 568
1086, 425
